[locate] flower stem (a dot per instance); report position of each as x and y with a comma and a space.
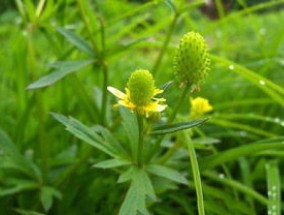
195, 173
87, 23
140, 140
171, 151
168, 154
105, 72
178, 104
166, 43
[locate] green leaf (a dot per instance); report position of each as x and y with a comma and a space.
85, 133
170, 128
274, 188
247, 191
240, 151
129, 123
111, 140
127, 175
78, 42
124, 47
46, 196
166, 172
63, 69
135, 200
171, 5
276, 92
16, 160
112, 163
18, 186
27, 212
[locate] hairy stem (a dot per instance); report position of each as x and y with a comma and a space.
140, 140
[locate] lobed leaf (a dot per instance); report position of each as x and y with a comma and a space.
63, 69
129, 123
168, 173
86, 134
135, 200
112, 163
16, 160
77, 41
46, 196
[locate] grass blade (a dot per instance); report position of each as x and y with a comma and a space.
274, 188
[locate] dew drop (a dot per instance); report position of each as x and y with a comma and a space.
282, 123
262, 31
274, 188
221, 175
277, 120
262, 82
269, 193
231, 67
25, 33
243, 133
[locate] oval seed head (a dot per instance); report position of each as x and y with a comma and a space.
141, 87
191, 61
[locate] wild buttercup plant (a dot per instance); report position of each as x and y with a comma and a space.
139, 158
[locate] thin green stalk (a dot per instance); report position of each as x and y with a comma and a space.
105, 93
105, 73
90, 107
169, 153
73, 168
87, 24
140, 147
195, 173
43, 146
220, 8
178, 104
166, 43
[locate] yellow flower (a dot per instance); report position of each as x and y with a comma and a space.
139, 96
199, 106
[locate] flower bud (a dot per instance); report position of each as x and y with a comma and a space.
199, 106
191, 61
141, 87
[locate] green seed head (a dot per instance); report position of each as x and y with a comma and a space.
141, 86
191, 61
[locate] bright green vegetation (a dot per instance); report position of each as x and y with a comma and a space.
57, 59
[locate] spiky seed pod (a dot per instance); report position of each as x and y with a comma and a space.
141, 87
191, 62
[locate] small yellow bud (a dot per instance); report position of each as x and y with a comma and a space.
199, 106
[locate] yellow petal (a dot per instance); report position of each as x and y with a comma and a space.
116, 92
154, 107
158, 91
